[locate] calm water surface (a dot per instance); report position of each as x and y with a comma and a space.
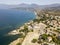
10, 20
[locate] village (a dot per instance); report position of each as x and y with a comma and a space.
44, 30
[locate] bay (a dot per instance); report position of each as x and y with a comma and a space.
11, 19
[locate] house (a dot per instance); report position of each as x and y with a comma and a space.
49, 39
30, 27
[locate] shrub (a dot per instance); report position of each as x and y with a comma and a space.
34, 40
56, 40
18, 44
36, 20
44, 36
39, 42
25, 30
58, 28
45, 44
31, 30
21, 35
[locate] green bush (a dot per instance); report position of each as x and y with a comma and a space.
56, 40
45, 44
58, 28
25, 30
39, 42
36, 20
44, 36
31, 30
18, 44
21, 35
34, 40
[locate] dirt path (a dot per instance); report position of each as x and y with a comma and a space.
30, 36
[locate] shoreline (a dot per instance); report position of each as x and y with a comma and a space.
34, 30
14, 32
17, 29
41, 28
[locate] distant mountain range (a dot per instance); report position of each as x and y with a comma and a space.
28, 6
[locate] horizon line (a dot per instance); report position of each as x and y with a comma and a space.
28, 4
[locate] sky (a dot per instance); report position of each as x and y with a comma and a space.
40, 2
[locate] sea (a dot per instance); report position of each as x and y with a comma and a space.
11, 19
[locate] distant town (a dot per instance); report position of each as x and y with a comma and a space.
44, 30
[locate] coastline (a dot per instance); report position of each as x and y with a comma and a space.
34, 30
14, 32
17, 30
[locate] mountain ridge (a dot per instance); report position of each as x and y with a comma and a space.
23, 5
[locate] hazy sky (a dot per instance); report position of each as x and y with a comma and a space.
40, 2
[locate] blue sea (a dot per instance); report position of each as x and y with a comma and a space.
12, 19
